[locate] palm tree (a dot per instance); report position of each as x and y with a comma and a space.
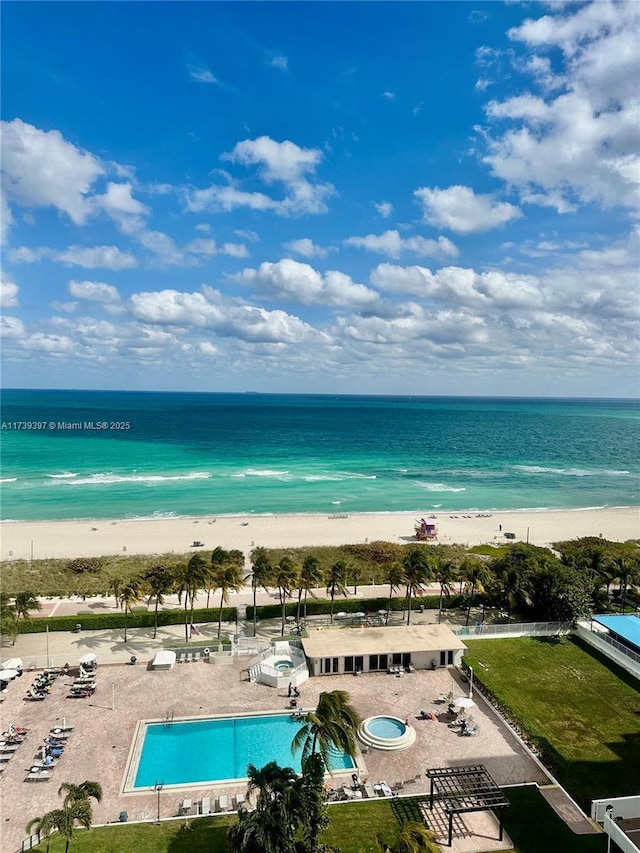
336, 579
75, 807
445, 573
285, 577
262, 572
219, 558
475, 575
414, 837
42, 827
128, 596
190, 578
416, 574
273, 825
228, 578
313, 802
159, 579
394, 576
84, 791
333, 725
625, 570
310, 577
65, 819
26, 601
8, 618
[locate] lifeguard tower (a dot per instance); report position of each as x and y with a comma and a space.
426, 529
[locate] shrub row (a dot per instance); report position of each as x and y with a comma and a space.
105, 621
322, 606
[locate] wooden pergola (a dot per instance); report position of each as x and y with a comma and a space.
470, 788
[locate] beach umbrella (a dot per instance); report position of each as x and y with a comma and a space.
8, 674
13, 663
88, 658
464, 702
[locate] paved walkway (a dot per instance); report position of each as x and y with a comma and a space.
104, 727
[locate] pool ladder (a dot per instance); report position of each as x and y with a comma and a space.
167, 720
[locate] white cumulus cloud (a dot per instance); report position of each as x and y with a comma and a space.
459, 209
295, 281
280, 163
393, 244
94, 291
42, 169
577, 140
306, 247
8, 293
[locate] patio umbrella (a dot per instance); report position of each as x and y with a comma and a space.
88, 658
13, 663
8, 674
464, 702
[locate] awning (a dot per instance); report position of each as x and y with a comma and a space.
164, 659
8, 674
88, 658
13, 663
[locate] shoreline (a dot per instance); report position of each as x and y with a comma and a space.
24, 540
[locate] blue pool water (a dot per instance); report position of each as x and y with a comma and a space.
213, 750
386, 727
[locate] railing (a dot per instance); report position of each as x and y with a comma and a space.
607, 638
267, 669
514, 629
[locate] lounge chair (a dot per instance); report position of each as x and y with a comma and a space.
205, 805
38, 776
223, 802
185, 807
369, 790
240, 800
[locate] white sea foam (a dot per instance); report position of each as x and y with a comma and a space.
8, 480
439, 487
265, 472
66, 476
109, 479
571, 472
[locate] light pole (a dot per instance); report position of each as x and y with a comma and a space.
157, 788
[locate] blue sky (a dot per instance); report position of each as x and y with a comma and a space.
423, 198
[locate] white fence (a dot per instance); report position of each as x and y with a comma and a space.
513, 629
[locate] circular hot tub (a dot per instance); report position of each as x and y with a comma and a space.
386, 733
283, 665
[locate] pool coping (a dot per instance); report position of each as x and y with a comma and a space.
127, 787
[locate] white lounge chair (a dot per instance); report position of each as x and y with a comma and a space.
205, 807
240, 800
223, 802
38, 776
185, 807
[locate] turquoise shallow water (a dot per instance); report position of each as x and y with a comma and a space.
196, 454
212, 750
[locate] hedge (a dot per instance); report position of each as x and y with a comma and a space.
104, 621
322, 606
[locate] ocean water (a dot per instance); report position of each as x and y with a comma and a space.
132, 454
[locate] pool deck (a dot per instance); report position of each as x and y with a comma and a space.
105, 723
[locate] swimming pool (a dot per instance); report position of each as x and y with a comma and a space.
386, 733
212, 750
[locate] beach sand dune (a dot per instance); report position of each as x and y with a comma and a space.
38, 540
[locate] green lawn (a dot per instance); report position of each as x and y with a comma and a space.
530, 822
583, 711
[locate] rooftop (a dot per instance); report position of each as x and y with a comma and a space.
390, 640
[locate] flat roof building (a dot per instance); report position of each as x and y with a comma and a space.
334, 651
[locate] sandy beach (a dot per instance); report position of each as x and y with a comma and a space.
38, 540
